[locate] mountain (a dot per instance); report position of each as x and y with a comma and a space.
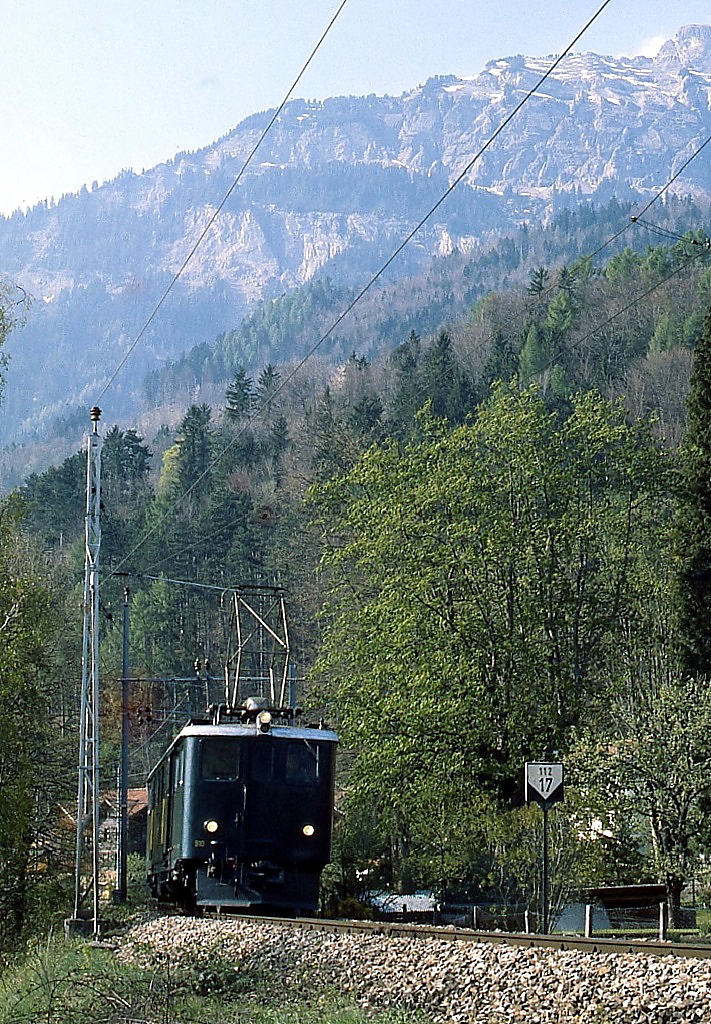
334, 188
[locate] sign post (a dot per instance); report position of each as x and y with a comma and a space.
544, 786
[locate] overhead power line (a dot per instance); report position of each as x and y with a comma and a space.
638, 298
638, 218
218, 210
238, 588
378, 274
635, 219
673, 178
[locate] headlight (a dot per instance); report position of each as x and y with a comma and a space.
264, 721
308, 830
212, 826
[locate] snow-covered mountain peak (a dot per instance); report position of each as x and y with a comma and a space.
339, 183
690, 48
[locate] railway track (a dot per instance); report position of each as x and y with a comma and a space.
451, 975
466, 935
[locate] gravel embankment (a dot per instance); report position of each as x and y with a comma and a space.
451, 982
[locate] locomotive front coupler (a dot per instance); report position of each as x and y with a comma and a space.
217, 862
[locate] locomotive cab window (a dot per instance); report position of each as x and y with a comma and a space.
220, 759
302, 764
177, 768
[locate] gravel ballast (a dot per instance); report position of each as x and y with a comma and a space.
450, 981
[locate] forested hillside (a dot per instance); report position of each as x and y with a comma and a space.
449, 288
335, 188
493, 540
445, 293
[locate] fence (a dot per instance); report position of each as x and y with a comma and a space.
647, 919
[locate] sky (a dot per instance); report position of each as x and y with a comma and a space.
90, 87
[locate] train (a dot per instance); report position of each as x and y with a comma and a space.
240, 812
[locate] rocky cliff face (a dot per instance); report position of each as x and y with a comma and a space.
690, 49
334, 189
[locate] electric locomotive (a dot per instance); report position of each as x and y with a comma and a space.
240, 811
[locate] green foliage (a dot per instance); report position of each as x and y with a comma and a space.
514, 839
56, 982
125, 463
623, 267
501, 364
56, 500
496, 561
239, 397
534, 357
267, 386
694, 531
194, 456
25, 627
653, 762
538, 281
483, 582
443, 383
125, 490
666, 334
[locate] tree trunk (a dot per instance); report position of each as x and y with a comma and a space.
674, 886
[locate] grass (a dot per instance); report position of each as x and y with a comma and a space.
59, 982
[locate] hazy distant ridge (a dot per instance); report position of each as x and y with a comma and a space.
335, 188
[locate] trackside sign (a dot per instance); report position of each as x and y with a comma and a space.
544, 783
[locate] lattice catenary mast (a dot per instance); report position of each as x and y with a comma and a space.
87, 844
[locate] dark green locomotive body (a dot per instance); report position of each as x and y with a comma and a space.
238, 817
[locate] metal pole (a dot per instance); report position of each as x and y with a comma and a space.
121, 886
82, 788
95, 743
545, 870
292, 686
88, 784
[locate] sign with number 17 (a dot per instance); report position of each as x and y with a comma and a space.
544, 783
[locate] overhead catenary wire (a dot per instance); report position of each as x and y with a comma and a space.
238, 588
218, 210
379, 273
638, 298
674, 177
672, 235
190, 547
635, 219
639, 219
666, 233
630, 305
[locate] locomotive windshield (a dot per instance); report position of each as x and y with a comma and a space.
298, 762
302, 763
220, 759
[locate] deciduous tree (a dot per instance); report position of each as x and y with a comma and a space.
654, 766
484, 578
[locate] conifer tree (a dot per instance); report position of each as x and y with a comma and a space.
239, 396
502, 362
694, 530
269, 380
533, 358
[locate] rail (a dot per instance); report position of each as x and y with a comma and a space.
451, 934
